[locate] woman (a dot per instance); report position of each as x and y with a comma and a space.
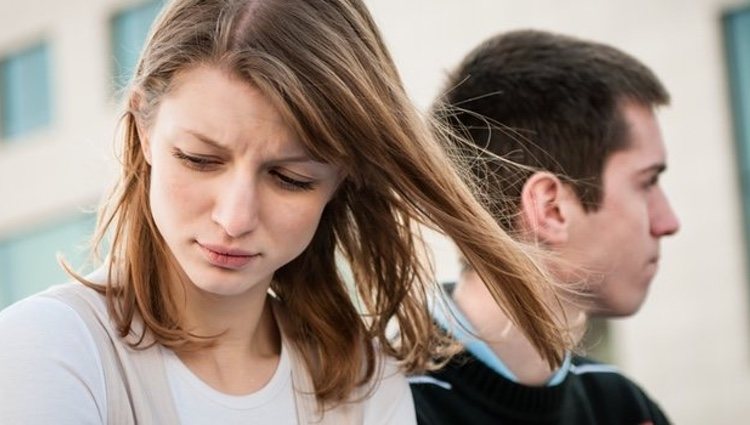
261, 137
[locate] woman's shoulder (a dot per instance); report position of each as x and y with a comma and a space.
50, 320
48, 353
48, 312
390, 401
69, 303
52, 326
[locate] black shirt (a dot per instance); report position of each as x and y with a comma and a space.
468, 392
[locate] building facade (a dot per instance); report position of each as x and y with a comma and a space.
61, 73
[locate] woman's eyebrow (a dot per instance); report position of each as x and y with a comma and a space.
296, 157
207, 140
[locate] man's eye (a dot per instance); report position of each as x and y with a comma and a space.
653, 181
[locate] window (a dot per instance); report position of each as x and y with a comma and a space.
25, 103
129, 30
737, 38
28, 261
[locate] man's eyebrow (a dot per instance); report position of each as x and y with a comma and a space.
657, 168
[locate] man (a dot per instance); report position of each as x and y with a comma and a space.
582, 155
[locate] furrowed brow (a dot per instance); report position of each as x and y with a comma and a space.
207, 140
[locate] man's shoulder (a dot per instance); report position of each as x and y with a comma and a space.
468, 391
587, 368
593, 373
442, 379
604, 386
441, 397
448, 395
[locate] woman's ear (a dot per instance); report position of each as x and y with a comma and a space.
543, 208
135, 108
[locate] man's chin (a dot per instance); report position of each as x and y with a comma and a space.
615, 310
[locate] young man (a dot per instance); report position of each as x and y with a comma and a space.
582, 154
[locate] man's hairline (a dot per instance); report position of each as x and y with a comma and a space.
624, 144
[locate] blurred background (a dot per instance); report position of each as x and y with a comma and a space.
62, 65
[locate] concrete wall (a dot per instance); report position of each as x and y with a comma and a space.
689, 346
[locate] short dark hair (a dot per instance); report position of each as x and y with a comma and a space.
548, 102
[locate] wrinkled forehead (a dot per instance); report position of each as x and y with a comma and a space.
314, 131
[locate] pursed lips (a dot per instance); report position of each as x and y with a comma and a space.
226, 257
235, 252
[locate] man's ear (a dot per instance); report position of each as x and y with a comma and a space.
544, 210
135, 99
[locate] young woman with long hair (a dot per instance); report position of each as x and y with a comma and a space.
262, 139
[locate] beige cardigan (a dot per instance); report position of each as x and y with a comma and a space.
136, 382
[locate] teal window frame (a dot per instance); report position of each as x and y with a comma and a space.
736, 27
128, 31
25, 91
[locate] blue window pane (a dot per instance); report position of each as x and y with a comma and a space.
738, 44
129, 31
25, 91
737, 36
28, 261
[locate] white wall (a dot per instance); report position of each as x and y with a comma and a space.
690, 345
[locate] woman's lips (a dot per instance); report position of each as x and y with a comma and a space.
225, 257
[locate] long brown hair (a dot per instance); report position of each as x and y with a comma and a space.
325, 67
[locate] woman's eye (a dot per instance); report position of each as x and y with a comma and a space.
196, 162
290, 183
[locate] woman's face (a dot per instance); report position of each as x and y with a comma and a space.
233, 192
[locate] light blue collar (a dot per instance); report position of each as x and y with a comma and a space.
463, 331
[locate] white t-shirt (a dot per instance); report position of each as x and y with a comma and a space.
198, 403
51, 373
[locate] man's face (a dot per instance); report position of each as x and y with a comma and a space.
615, 249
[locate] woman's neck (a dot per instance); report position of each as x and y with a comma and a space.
247, 341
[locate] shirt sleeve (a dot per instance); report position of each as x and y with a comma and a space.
391, 402
50, 369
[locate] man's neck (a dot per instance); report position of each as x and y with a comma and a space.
505, 339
